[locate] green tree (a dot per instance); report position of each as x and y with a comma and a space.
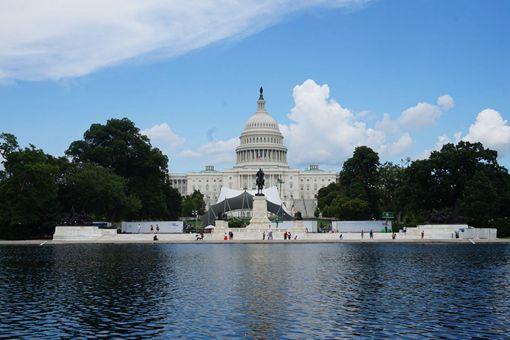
97, 192
391, 181
193, 202
326, 195
8, 144
459, 183
356, 195
480, 201
121, 147
29, 204
359, 178
354, 209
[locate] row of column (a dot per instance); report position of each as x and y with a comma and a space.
261, 154
180, 185
248, 181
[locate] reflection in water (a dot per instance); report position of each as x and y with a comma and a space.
278, 290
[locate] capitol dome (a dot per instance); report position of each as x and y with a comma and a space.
261, 120
261, 142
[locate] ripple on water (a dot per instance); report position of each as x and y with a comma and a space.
267, 291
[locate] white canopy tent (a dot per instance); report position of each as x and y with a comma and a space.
231, 199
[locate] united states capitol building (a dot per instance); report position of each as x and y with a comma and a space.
261, 146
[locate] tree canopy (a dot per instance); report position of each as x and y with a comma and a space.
114, 174
356, 195
28, 191
193, 202
97, 192
461, 183
118, 145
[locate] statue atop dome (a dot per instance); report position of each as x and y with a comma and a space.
261, 90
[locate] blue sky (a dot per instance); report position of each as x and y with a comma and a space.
336, 74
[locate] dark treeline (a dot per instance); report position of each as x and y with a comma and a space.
112, 174
461, 183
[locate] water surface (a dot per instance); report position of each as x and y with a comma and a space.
255, 290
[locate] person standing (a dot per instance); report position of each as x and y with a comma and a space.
270, 235
285, 235
139, 228
289, 237
152, 228
422, 234
371, 234
157, 228
362, 233
263, 235
231, 235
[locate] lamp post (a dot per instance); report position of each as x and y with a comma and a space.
195, 213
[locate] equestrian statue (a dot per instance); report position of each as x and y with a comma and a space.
260, 182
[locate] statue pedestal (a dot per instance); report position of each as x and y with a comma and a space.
259, 220
298, 227
221, 226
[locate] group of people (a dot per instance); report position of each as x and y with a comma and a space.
152, 228
229, 236
269, 235
288, 236
371, 233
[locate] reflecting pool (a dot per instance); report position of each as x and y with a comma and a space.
255, 290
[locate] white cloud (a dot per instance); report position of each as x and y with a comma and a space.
48, 39
323, 131
442, 140
387, 124
399, 147
220, 151
491, 130
445, 102
425, 114
163, 135
214, 152
189, 154
457, 136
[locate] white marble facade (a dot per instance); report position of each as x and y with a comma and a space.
261, 146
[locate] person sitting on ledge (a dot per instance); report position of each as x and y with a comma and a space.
155, 238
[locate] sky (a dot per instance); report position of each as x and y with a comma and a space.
403, 77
